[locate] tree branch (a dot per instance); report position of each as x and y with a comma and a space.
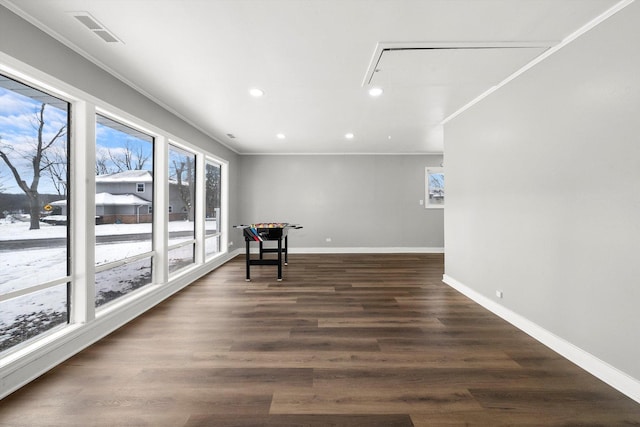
23, 185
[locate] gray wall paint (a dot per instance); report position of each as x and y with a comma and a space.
359, 201
543, 193
28, 44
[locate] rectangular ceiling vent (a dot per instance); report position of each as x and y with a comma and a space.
96, 27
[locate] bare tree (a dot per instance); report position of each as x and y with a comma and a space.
57, 170
185, 185
2, 178
102, 162
130, 159
38, 162
212, 189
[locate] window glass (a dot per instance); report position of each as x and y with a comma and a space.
212, 208
34, 223
182, 186
435, 187
124, 200
118, 281
29, 316
181, 257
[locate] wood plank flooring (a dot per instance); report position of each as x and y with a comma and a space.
344, 340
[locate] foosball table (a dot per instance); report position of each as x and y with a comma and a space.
267, 231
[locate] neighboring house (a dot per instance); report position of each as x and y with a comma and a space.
126, 197
138, 182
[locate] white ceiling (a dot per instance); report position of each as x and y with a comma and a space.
315, 60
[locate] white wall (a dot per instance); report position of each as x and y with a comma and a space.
361, 202
543, 195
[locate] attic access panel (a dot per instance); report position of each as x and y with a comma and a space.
453, 74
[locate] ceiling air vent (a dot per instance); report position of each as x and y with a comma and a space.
96, 27
88, 21
232, 136
106, 36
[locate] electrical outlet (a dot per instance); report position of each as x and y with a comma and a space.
499, 294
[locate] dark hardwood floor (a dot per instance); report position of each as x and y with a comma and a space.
343, 340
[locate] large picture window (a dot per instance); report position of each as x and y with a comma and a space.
72, 254
34, 229
124, 200
182, 187
213, 215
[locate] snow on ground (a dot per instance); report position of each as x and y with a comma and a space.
19, 230
26, 316
21, 269
24, 268
29, 315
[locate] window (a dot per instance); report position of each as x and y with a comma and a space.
182, 187
435, 187
213, 219
124, 183
46, 207
34, 222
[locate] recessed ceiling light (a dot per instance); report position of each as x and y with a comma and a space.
255, 92
281, 136
375, 91
349, 135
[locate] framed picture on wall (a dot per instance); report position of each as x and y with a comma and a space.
434, 186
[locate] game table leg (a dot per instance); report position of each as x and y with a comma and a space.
280, 260
248, 260
286, 250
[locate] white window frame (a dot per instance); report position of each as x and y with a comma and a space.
136, 125
62, 280
198, 240
221, 224
83, 316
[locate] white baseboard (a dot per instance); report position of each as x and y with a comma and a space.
368, 250
356, 250
28, 363
615, 378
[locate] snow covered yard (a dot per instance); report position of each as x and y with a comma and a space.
19, 230
28, 315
